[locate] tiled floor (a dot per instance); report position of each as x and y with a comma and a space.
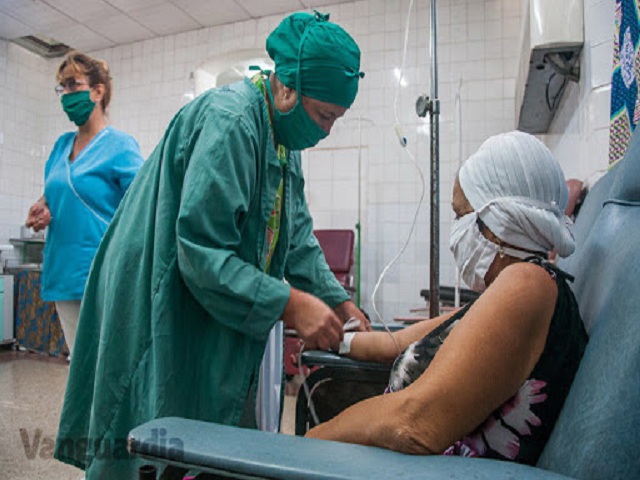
31, 393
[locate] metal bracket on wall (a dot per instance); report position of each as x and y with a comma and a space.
425, 105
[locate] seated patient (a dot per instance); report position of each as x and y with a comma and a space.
488, 380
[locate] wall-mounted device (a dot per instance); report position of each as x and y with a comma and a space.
551, 42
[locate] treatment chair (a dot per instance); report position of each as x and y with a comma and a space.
595, 436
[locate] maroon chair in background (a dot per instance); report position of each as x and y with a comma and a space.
337, 246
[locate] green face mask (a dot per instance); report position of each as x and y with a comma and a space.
294, 129
78, 106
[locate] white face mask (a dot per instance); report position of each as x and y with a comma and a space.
474, 253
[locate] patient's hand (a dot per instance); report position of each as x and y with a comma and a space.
347, 310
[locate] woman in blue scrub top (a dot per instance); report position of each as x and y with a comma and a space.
86, 176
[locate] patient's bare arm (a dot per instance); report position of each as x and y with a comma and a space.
382, 348
483, 362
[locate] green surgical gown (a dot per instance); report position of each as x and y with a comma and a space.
177, 307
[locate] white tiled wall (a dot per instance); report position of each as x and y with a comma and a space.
24, 93
478, 53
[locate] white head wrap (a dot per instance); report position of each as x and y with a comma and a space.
518, 189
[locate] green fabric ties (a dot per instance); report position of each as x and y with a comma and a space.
317, 57
273, 225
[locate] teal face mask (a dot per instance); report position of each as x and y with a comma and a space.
78, 106
294, 129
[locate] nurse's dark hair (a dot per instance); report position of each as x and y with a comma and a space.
96, 71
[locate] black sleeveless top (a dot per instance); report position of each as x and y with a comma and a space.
520, 428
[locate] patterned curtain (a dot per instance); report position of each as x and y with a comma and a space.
625, 105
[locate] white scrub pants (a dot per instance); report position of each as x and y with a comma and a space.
68, 312
270, 382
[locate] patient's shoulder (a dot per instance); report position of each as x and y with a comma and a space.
528, 272
524, 287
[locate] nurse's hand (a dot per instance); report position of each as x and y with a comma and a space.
39, 215
315, 322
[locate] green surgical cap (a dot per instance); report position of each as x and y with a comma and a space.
316, 58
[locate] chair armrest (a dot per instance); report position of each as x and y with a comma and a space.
393, 327
241, 453
447, 294
322, 358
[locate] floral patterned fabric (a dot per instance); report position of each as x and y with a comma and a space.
520, 428
625, 102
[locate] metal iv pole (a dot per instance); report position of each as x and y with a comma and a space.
431, 105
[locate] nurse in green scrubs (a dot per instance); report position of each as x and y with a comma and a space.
188, 280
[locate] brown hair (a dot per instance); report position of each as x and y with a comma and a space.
97, 71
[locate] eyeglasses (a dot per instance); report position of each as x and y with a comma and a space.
71, 85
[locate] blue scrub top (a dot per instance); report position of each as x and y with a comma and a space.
83, 196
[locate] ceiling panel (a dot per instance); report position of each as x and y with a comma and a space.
90, 24
36, 14
81, 38
131, 5
262, 8
120, 29
164, 19
213, 13
321, 3
83, 11
11, 28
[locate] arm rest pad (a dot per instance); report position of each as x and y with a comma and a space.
244, 453
322, 358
